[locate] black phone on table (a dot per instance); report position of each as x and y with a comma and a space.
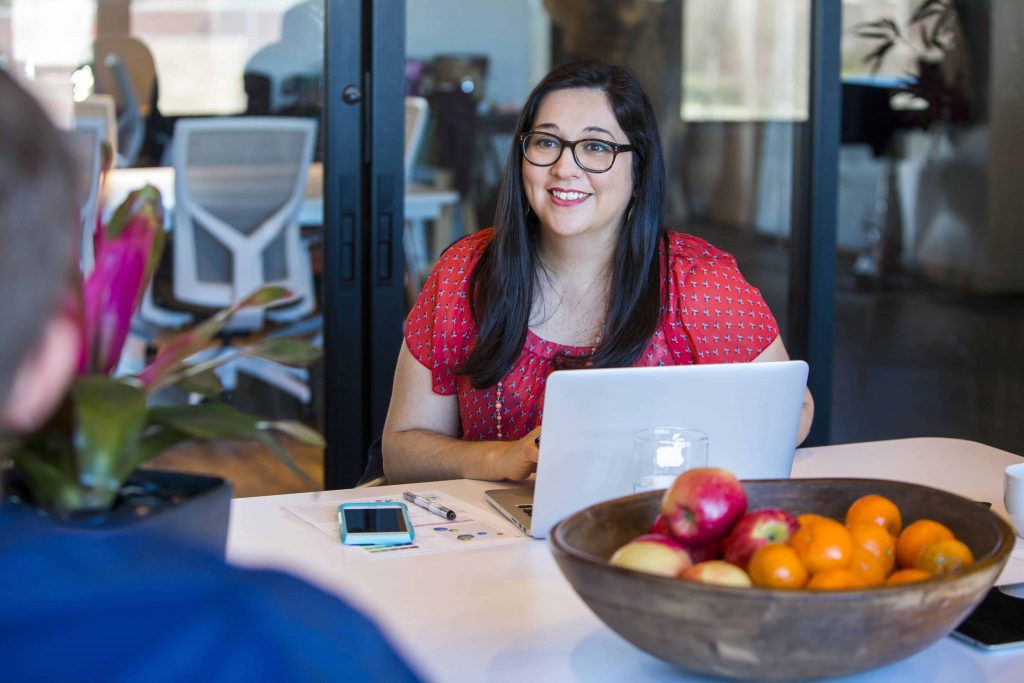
997, 622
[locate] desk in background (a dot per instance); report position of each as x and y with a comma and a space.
506, 613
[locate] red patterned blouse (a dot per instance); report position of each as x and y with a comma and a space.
710, 315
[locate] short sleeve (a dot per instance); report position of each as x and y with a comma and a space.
725, 317
440, 328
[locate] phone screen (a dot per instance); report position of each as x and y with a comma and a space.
374, 520
997, 622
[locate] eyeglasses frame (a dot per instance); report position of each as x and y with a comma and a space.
571, 144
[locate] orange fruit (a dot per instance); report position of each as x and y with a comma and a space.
836, 579
822, 544
868, 567
916, 537
901, 576
877, 541
777, 566
944, 556
807, 518
875, 509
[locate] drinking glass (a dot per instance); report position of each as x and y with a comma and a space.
663, 453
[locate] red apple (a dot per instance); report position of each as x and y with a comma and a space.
654, 554
660, 526
702, 553
703, 504
754, 530
698, 553
719, 573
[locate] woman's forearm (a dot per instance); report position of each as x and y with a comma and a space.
424, 455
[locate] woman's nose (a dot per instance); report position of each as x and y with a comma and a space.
566, 166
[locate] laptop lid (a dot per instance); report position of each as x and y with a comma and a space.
750, 412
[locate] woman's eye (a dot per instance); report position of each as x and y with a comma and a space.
595, 147
547, 143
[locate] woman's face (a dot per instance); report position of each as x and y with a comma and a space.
569, 201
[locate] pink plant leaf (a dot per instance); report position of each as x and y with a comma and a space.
127, 252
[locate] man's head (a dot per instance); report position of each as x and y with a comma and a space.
38, 225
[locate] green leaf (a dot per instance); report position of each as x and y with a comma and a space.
51, 486
207, 421
217, 420
305, 435
205, 383
109, 417
171, 356
284, 350
155, 441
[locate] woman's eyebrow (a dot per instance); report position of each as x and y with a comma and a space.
588, 129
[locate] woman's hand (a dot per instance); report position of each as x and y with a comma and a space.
421, 436
517, 460
776, 351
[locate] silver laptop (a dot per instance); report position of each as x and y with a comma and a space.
750, 412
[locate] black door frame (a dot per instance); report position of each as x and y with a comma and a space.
364, 186
812, 278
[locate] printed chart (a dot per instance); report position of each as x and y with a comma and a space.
432, 532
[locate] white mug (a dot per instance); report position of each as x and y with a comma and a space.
1013, 495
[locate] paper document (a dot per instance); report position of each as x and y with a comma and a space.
433, 533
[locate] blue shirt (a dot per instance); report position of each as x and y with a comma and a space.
118, 609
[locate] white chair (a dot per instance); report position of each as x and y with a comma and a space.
417, 110
131, 126
417, 258
87, 141
238, 187
100, 106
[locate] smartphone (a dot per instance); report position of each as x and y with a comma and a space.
997, 622
375, 523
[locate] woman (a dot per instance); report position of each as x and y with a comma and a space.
578, 271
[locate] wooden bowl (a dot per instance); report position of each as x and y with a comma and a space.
778, 634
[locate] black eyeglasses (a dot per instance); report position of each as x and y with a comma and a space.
593, 156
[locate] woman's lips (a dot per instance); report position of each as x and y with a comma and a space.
561, 197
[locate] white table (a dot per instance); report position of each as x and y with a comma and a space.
507, 614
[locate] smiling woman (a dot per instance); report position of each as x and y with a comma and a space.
578, 271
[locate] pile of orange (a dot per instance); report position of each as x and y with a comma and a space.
871, 547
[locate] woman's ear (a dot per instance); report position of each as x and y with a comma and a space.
43, 376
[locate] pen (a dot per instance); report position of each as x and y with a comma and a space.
441, 510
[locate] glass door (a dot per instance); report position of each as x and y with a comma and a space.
746, 94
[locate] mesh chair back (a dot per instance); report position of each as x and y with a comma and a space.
238, 187
131, 127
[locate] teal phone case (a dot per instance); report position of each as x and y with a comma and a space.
349, 537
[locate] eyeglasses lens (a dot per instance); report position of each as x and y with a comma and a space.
590, 155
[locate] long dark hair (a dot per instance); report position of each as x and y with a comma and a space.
503, 283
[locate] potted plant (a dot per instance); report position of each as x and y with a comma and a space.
82, 466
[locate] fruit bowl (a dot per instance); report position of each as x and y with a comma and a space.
778, 634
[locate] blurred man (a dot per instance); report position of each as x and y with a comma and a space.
73, 609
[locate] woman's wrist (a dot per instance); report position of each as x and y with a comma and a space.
492, 460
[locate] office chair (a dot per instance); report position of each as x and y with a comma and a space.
87, 141
239, 182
